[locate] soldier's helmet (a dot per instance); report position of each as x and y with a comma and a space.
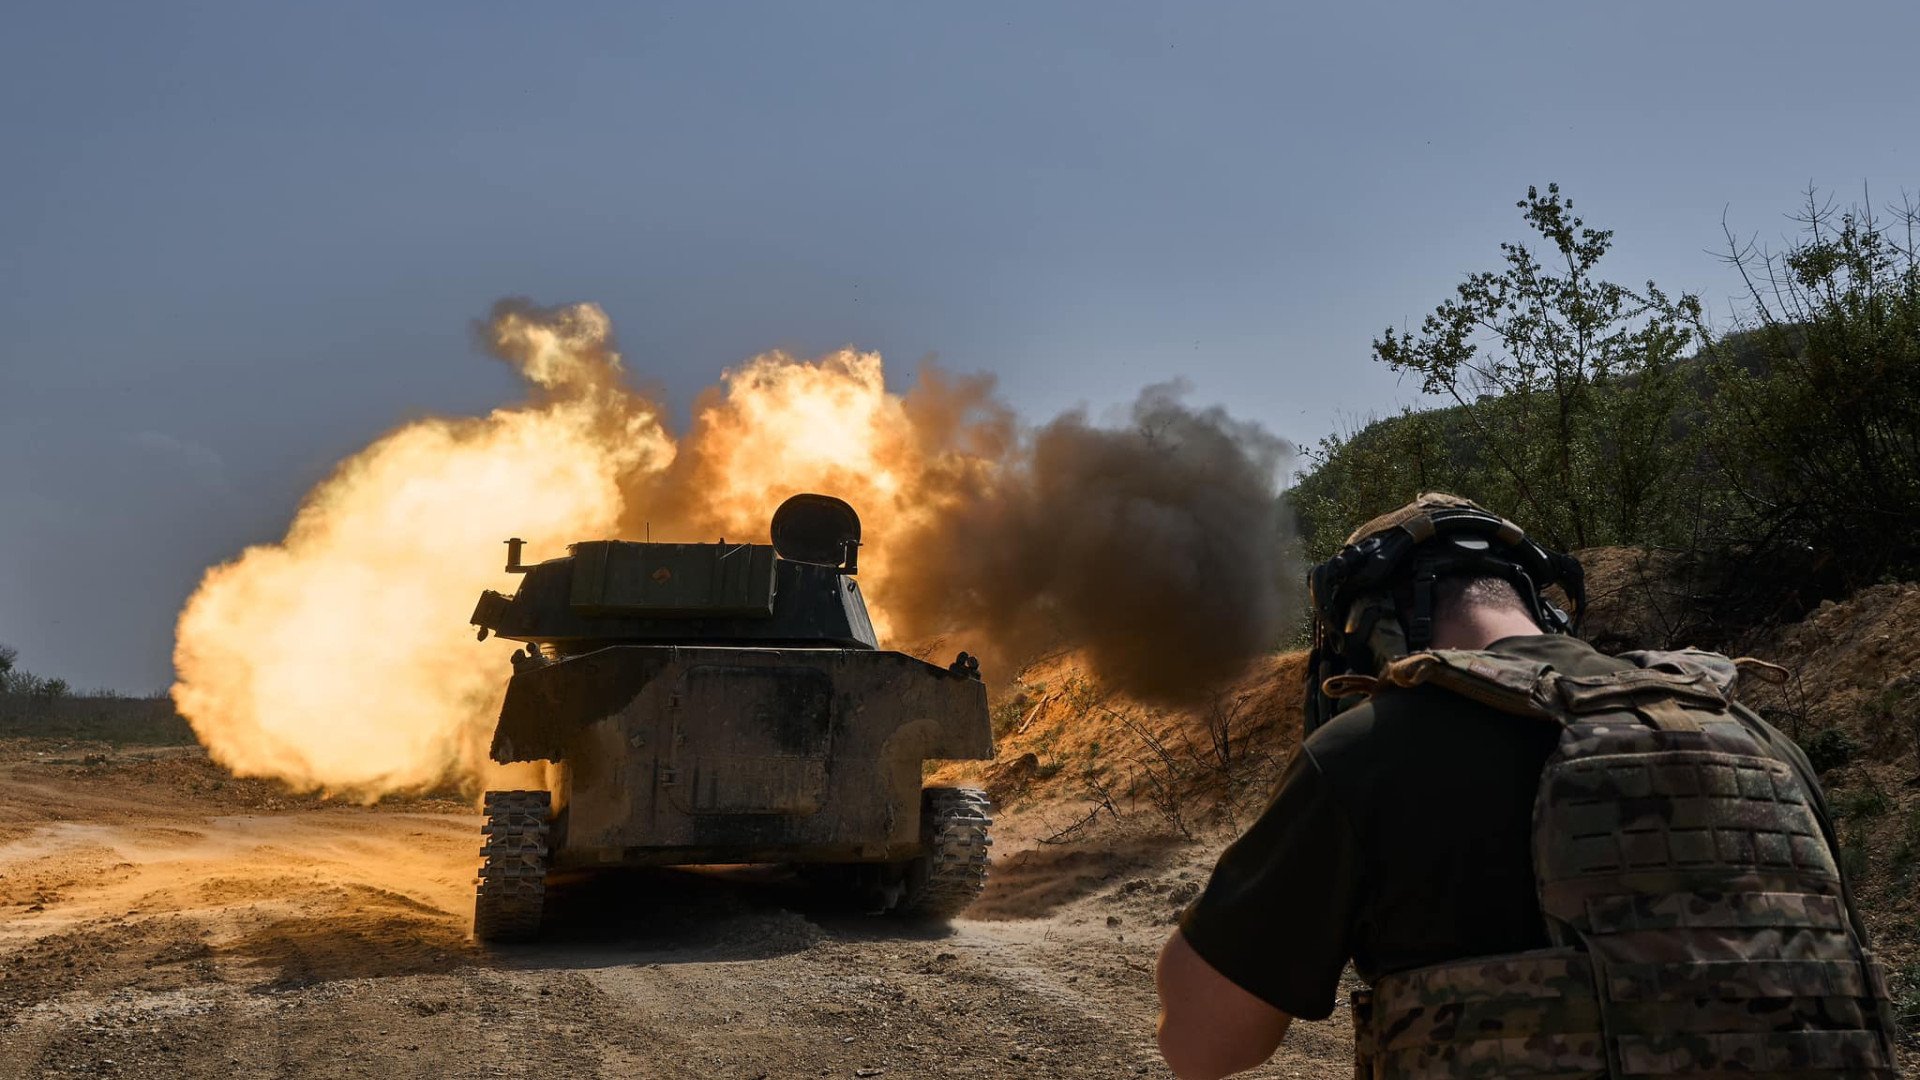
1373, 601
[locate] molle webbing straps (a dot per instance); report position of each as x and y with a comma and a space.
1530, 688
1695, 906
1656, 698
1530, 1014
1499, 682
1688, 863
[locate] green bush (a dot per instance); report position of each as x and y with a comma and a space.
1906, 850
38, 707
1853, 859
1785, 451
1566, 391
1007, 715
1830, 749
1860, 804
1905, 983
1814, 427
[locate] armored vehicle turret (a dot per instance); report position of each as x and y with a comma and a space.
727, 703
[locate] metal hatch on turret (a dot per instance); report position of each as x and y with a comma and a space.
797, 591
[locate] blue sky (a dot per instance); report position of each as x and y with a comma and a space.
238, 240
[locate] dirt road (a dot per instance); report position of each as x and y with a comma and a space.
163, 920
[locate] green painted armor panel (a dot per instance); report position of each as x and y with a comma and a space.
613, 577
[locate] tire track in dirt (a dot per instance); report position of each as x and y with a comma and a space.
327, 941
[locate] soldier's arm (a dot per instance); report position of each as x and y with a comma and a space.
1265, 941
1209, 1026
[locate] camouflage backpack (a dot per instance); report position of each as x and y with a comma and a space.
1698, 922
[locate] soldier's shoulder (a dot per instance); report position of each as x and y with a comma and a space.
1377, 719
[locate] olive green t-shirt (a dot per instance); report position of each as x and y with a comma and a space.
1400, 836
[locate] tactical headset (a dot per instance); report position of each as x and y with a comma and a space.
1373, 601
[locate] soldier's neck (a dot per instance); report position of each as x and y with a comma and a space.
1478, 627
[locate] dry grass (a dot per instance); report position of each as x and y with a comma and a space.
108, 718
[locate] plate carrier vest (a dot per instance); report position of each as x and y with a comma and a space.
1698, 922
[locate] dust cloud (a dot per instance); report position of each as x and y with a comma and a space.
1155, 547
339, 658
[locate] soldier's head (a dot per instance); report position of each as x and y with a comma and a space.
1422, 569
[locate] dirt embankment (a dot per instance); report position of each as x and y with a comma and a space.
1074, 755
1852, 700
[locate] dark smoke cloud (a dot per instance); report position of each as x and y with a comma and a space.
1157, 547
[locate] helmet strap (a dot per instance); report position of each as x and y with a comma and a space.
1420, 618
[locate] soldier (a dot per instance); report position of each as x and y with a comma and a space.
1544, 861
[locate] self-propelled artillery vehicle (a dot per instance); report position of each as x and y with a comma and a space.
727, 703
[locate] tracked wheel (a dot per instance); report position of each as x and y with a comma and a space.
954, 823
513, 868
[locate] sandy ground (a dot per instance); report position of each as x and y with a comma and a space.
161, 920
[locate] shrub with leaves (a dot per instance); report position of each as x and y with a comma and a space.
1568, 385
1817, 405
1830, 749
